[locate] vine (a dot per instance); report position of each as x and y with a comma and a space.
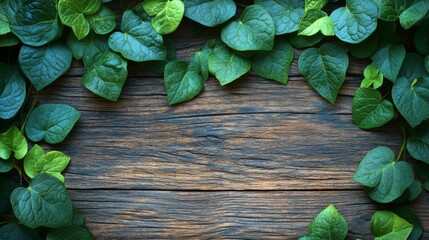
261, 36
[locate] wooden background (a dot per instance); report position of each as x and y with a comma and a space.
253, 160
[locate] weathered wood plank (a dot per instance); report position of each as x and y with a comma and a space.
222, 215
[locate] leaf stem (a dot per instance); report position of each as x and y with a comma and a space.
33, 104
21, 174
402, 151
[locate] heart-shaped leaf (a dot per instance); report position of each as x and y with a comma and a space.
18, 231
418, 145
369, 110
89, 47
210, 13
355, 22
106, 75
414, 13
51, 122
386, 179
411, 97
387, 225
286, 14
52, 163
275, 64
373, 76
138, 41
45, 203
413, 67
254, 30
325, 69
329, 224
314, 21
43, 65
388, 59
166, 14
13, 141
103, 21
12, 91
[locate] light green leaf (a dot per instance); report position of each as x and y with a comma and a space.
408, 215
411, 97
51, 122
421, 38
386, 225
372, 77
388, 59
70, 233
210, 13
413, 67
12, 91
314, 21
102, 22
274, 65
418, 144
253, 31
35, 22
12, 141
74, 14
329, 224
13, 231
166, 14
286, 14
52, 163
414, 13
181, 83
45, 203
89, 47
315, 4
370, 110
6, 188
227, 65
355, 22
43, 65
386, 179
138, 41
106, 75
325, 69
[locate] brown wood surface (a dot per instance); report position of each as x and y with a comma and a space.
252, 160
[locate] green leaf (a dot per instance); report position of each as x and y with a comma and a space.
4, 18
210, 13
159, 66
325, 69
411, 97
253, 31
355, 22
422, 170
70, 233
314, 21
75, 14
89, 47
413, 67
369, 110
166, 14
418, 144
388, 59
427, 63
102, 22
52, 163
408, 215
390, 10
286, 14
36, 22
329, 224
12, 91
372, 77
182, 85
315, 4
201, 60
412, 192
6, 188
299, 41
9, 40
51, 122
414, 13
138, 41
386, 179
78, 217
43, 65
14, 231
45, 203
275, 64
421, 38
366, 48
106, 75
387, 225
6, 166
226, 65
12, 141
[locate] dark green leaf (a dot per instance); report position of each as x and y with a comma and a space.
35, 22
414, 13
413, 67
254, 30
387, 225
325, 69
166, 14
78, 217
103, 21
12, 141
275, 64
70, 233
329, 224
388, 59
9, 40
51, 122
418, 144
13, 231
366, 48
106, 75
286, 14
12, 91
159, 66
370, 110
386, 179
390, 10
305, 41
421, 38
43, 65
6, 165
411, 97
138, 41
4, 18
6, 188
44, 203
210, 13
89, 47
422, 172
